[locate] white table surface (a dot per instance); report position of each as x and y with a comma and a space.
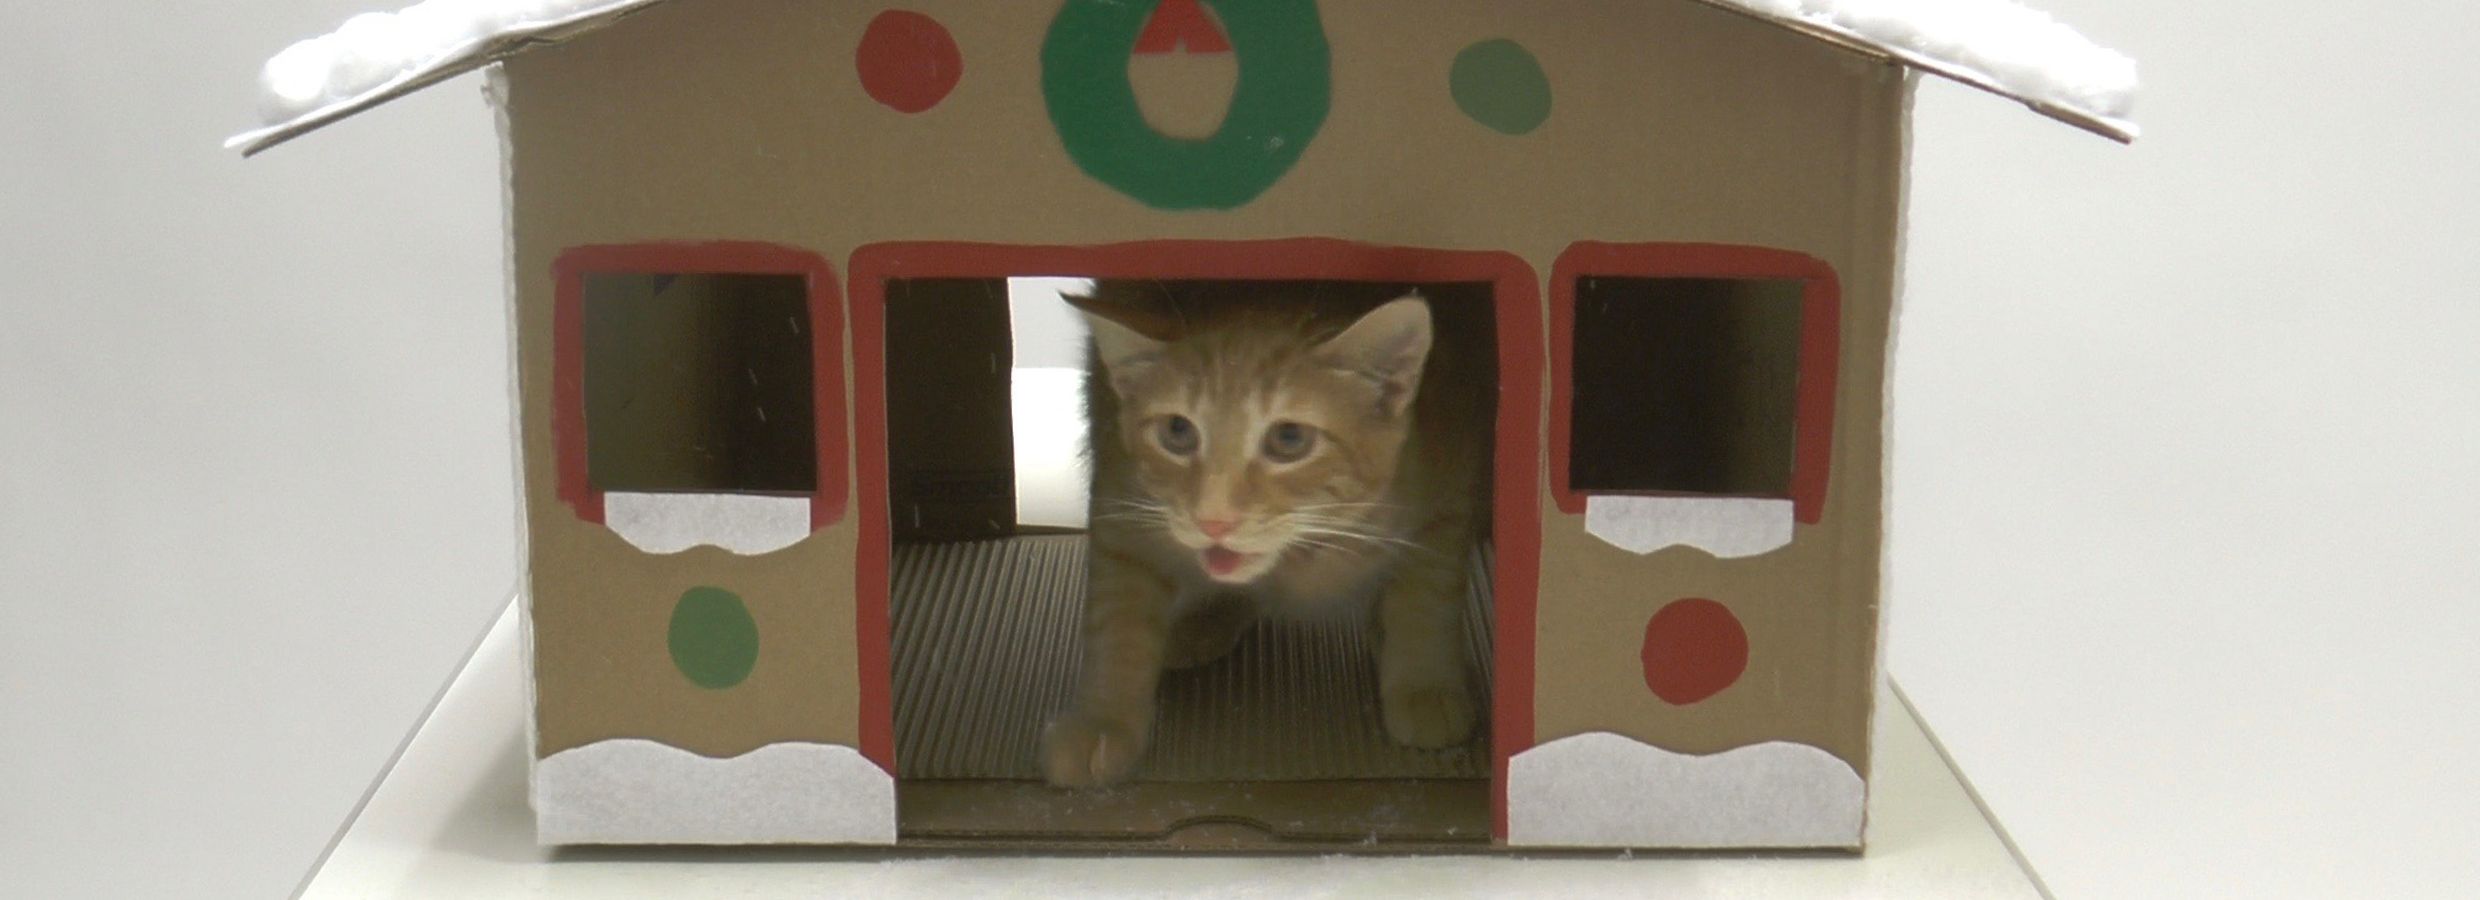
449, 820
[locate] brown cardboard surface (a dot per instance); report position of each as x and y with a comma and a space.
740, 120
1184, 95
599, 632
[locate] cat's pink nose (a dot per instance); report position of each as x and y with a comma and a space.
1214, 529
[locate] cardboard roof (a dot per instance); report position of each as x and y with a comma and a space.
1979, 70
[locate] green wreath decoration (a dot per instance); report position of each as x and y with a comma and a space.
1279, 104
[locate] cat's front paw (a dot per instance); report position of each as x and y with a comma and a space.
1428, 715
1081, 750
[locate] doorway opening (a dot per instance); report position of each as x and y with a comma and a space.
1281, 741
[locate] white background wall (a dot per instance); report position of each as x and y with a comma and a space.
2183, 566
255, 486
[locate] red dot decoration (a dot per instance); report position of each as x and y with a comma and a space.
908, 61
1693, 649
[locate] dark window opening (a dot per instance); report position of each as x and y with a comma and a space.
950, 449
1685, 385
699, 383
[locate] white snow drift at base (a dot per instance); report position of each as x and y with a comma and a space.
2022, 51
1603, 790
632, 791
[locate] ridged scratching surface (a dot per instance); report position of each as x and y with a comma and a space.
986, 648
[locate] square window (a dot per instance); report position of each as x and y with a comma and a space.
698, 382
1685, 385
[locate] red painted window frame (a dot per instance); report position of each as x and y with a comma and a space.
826, 316
1821, 312
1515, 524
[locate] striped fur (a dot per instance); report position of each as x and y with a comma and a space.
1199, 530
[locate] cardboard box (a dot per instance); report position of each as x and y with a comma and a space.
799, 608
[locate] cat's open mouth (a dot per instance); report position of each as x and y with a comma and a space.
1223, 562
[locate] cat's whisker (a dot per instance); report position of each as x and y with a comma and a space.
1326, 545
1326, 521
1133, 511
1349, 504
1340, 524
1140, 516
1377, 539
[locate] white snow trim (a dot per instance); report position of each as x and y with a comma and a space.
1727, 527
632, 791
374, 56
2018, 50
1603, 790
747, 524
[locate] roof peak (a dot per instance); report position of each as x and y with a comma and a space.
1996, 45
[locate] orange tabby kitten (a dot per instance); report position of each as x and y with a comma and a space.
1274, 448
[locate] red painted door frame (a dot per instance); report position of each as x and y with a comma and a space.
1515, 525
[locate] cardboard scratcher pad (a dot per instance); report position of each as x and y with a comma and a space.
1279, 743
986, 643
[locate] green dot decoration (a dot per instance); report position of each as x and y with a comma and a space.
1500, 85
713, 639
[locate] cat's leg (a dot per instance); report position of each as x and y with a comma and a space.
1421, 652
1209, 632
1104, 731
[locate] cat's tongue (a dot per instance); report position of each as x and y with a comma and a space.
1223, 560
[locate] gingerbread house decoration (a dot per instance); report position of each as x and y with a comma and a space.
782, 587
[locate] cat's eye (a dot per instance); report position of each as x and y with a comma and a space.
1177, 434
1290, 441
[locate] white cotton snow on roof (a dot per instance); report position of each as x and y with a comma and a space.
371, 49
1996, 44
376, 56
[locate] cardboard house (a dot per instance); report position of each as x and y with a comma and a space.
759, 256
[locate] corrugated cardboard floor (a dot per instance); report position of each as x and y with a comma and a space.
1284, 734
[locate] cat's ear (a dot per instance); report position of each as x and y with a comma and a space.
1387, 346
1127, 354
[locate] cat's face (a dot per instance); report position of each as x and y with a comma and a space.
1253, 442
